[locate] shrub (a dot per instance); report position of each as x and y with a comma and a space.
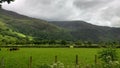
57, 65
109, 57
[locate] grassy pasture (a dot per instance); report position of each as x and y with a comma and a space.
20, 58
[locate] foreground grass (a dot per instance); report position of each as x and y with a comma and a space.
20, 58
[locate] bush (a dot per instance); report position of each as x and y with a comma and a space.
109, 57
0, 49
57, 65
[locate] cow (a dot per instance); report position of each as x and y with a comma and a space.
13, 49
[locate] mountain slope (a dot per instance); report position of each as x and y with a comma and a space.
31, 27
18, 27
81, 30
8, 36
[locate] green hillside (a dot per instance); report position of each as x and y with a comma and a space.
8, 36
30, 28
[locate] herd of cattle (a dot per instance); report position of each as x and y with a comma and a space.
12, 49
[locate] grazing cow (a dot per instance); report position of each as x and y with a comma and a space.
14, 49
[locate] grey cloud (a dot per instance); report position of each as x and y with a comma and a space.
84, 4
99, 12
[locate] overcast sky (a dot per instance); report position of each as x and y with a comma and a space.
100, 12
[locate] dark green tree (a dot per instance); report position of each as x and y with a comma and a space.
63, 42
52, 42
78, 43
8, 1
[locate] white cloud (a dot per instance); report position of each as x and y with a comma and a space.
100, 12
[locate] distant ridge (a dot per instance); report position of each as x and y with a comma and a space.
82, 30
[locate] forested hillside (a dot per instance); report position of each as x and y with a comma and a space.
81, 30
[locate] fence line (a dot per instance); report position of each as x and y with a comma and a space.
77, 64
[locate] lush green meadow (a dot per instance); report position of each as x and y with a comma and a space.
20, 58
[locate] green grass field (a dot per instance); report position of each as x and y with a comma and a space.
20, 58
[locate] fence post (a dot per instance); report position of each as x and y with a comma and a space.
96, 62
30, 62
76, 59
77, 62
2, 65
56, 59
